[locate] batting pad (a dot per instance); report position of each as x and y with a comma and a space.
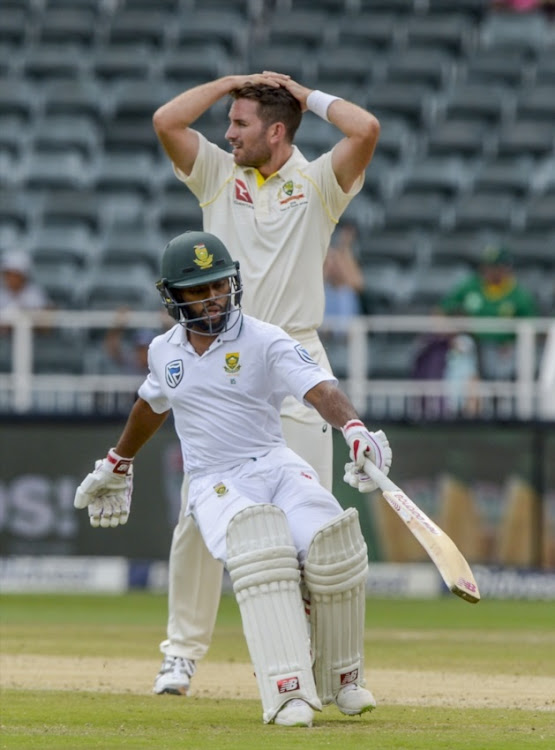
262, 562
335, 572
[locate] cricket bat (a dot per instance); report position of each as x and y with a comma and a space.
442, 550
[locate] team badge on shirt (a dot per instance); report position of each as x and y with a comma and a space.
204, 259
291, 193
174, 373
232, 362
304, 355
220, 489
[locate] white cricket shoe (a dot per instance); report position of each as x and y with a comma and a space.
353, 700
295, 713
174, 676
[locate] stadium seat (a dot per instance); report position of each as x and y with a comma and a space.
426, 65
401, 247
304, 27
525, 137
545, 68
148, 26
59, 246
339, 64
474, 9
71, 208
466, 246
476, 102
59, 133
332, 7
376, 30
128, 243
534, 249
68, 25
112, 287
287, 59
486, 210
458, 137
137, 101
58, 352
444, 175
176, 213
123, 62
218, 27
131, 136
403, 100
510, 175
540, 213
83, 97
18, 97
397, 138
190, 67
431, 285
16, 211
414, 210
527, 32
450, 31
15, 27
124, 172
493, 66
53, 61
536, 103
52, 171
399, 7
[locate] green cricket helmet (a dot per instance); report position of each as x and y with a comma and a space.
192, 259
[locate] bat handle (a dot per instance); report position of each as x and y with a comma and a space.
384, 483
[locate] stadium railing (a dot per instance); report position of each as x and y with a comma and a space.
529, 395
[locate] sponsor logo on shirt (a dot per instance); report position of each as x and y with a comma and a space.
174, 373
242, 194
204, 259
304, 355
232, 362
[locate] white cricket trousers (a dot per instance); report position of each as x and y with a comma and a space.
195, 577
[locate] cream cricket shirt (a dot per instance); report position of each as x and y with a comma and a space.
226, 402
278, 229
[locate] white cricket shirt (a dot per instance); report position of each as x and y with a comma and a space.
226, 402
278, 229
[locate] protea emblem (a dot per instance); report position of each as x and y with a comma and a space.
204, 259
232, 362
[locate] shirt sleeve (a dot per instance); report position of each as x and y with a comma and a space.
151, 392
320, 173
211, 169
292, 369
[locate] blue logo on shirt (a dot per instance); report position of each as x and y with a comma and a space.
304, 355
174, 373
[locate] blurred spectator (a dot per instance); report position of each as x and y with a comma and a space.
17, 290
122, 351
452, 358
493, 291
343, 278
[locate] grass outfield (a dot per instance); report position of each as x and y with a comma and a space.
76, 672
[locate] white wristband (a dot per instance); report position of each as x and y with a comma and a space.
318, 102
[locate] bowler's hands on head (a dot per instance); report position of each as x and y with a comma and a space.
299, 92
106, 492
365, 445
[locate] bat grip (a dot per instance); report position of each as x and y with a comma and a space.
384, 483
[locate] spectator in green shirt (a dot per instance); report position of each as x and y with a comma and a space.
495, 292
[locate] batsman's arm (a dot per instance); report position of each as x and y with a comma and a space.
141, 425
331, 403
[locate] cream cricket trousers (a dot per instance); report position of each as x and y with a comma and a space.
195, 577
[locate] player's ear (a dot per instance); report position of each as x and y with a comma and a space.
277, 132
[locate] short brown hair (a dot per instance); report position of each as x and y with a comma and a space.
274, 105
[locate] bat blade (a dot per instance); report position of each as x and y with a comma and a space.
442, 550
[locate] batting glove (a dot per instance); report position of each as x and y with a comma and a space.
365, 445
106, 491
